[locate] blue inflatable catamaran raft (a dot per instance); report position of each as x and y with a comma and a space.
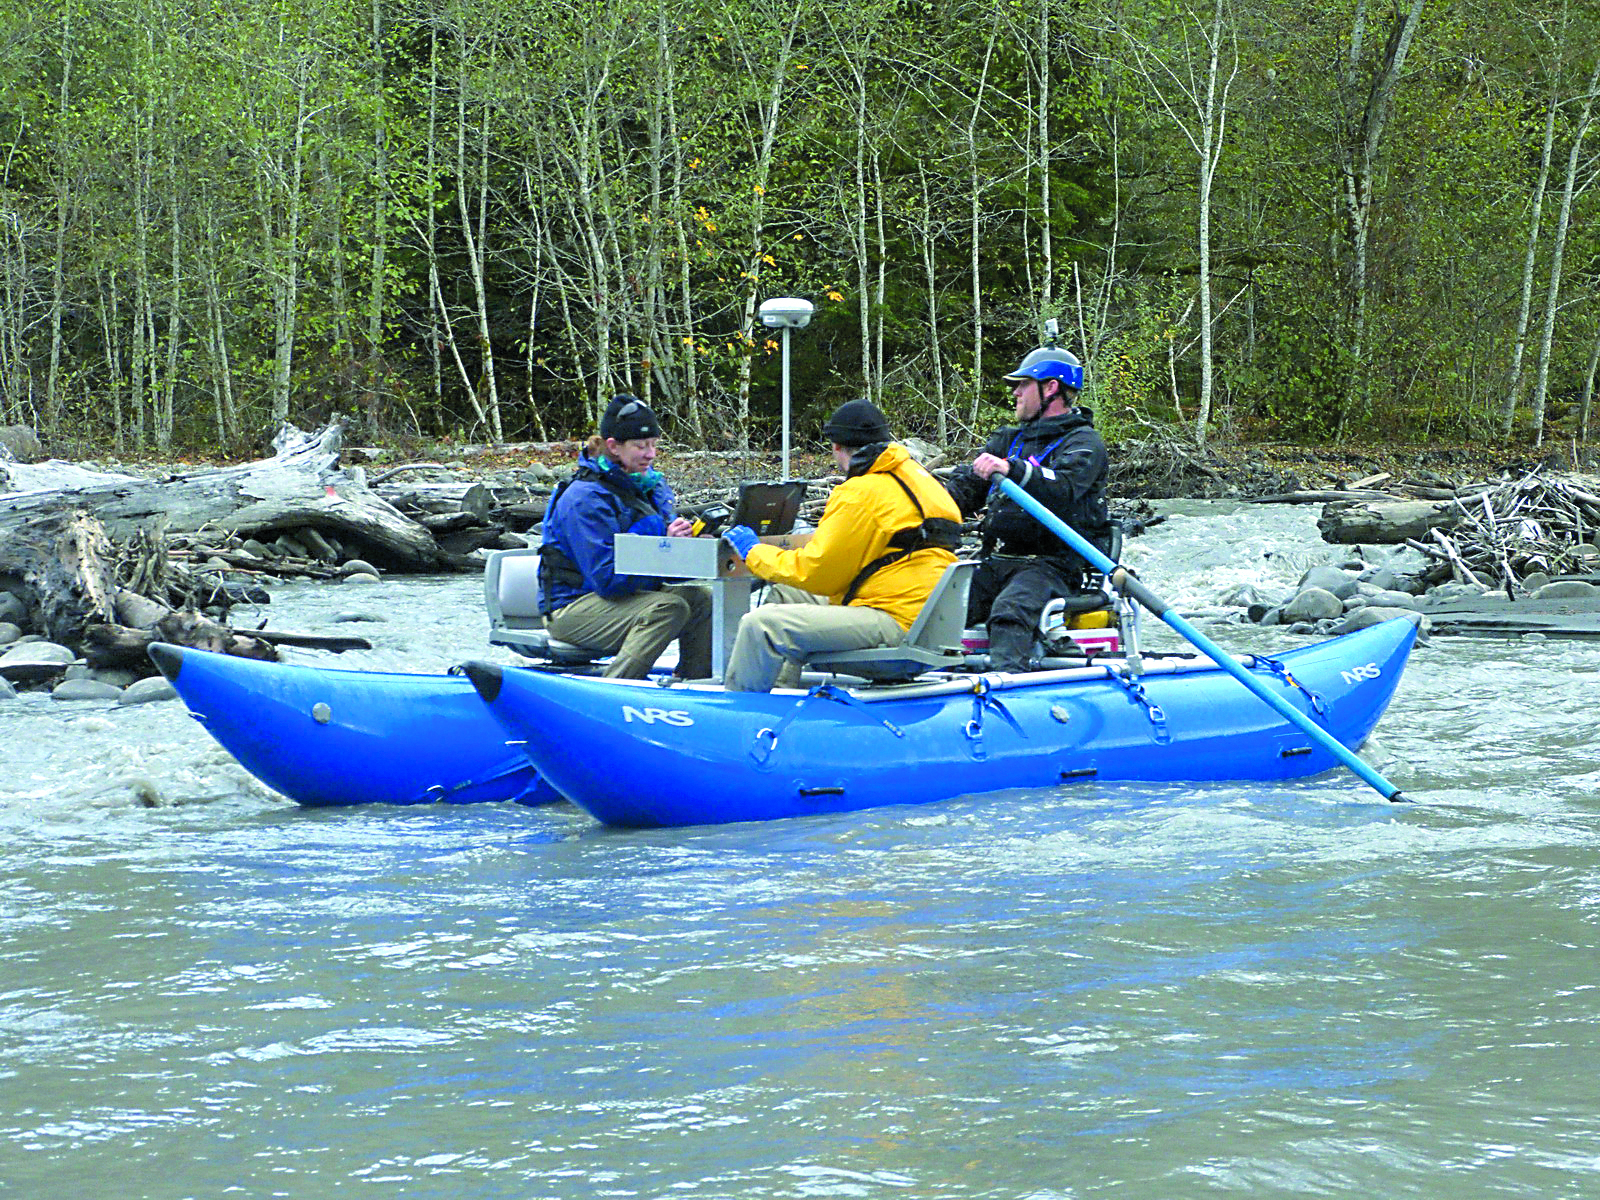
634, 753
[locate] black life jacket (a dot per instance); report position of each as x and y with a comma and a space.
555, 564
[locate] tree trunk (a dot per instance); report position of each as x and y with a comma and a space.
1213, 128
63, 202
485, 400
1569, 190
372, 399
1588, 386
758, 224
1359, 167
1508, 405
974, 182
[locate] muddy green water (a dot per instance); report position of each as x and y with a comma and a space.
1147, 993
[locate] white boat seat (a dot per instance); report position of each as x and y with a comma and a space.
932, 643
511, 597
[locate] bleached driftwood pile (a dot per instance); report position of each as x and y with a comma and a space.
95, 566
1503, 534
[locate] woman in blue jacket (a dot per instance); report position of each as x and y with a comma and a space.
631, 617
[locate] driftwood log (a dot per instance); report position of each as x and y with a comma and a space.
300, 487
1349, 522
67, 567
106, 564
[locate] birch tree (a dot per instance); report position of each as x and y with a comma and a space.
1189, 59
1570, 190
1368, 91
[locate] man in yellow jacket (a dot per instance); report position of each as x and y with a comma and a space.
888, 533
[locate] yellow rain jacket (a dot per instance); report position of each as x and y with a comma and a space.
863, 513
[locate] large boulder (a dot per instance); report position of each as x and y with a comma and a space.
22, 443
1567, 589
1330, 579
1313, 604
34, 662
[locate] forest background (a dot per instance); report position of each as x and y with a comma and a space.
475, 219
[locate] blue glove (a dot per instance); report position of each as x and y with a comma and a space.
741, 538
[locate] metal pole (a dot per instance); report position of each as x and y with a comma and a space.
785, 474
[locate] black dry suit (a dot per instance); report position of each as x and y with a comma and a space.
1061, 462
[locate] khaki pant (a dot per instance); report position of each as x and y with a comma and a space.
776, 638
636, 629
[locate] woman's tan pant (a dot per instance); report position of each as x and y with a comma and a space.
636, 629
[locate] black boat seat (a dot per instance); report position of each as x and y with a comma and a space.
933, 642
511, 597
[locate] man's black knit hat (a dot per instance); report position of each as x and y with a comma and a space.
629, 419
857, 423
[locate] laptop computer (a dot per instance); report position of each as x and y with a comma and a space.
769, 508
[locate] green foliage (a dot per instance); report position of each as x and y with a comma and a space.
582, 197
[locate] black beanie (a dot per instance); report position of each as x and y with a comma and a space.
857, 423
629, 419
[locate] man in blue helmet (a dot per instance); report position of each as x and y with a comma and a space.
1054, 454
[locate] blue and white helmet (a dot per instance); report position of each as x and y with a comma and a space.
1050, 362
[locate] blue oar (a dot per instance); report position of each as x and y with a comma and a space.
1125, 581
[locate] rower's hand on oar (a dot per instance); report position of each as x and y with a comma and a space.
986, 465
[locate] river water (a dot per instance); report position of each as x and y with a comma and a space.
1139, 992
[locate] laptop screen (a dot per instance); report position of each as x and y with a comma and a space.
769, 508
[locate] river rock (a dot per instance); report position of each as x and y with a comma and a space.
12, 609
1384, 579
1313, 604
8, 633
361, 579
926, 453
1567, 589
7, 692
33, 661
1244, 595
147, 691
357, 567
1449, 593
85, 689
1534, 580
349, 617
22, 442
1330, 579
1382, 600
1376, 614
